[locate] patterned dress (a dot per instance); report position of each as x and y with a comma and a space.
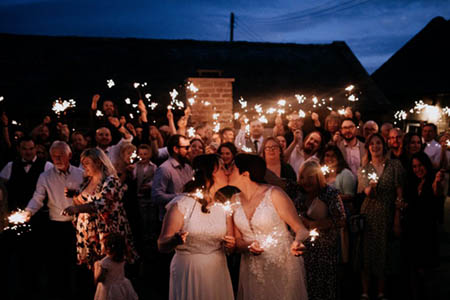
321, 257
109, 217
374, 253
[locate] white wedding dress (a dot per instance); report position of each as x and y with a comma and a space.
276, 273
199, 267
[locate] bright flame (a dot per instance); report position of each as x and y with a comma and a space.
373, 176
216, 128
313, 234
215, 116
17, 217
341, 111
110, 83
271, 110
325, 169
153, 105
258, 108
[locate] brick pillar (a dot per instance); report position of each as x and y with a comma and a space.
219, 93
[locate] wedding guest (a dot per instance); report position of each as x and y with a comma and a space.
320, 208
381, 181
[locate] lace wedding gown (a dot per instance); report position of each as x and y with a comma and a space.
276, 273
199, 267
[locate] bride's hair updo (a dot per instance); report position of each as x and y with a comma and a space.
204, 166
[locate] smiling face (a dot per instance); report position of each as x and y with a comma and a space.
226, 155
196, 149
272, 151
418, 169
376, 147
312, 143
330, 159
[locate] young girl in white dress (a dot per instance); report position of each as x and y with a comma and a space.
109, 272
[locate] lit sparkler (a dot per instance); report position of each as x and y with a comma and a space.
216, 128
269, 242
2, 98
60, 106
136, 85
192, 87
350, 88
99, 113
263, 119
300, 98
325, 169
191, 132
128, 101
14, 122
148, 96
198, 194
271, 110
258, 108
400, 115
246, 149
341, 111
243, 102
110, 83
281, 102
153, 105
17, 221
352, 98
313, 234
191, 101
373, 176
301, 113
134, 157
206, 103
236, 115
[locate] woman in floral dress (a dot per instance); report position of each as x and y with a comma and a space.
320, 208
99, 208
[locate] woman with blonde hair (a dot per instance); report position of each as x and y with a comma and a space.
321, 208
99, 208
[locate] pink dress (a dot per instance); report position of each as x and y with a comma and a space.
115, 286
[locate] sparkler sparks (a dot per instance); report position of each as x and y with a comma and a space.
14, 122
216, 128
17, 221
246, 149
153, 105
236, 115
128, 101
400, 115
352, 98
243, 102
341, 111
2, 98
148, 96
263, 119
313, 234
300, 98
269, 242
325, 169
99, 113
60, 106
192, 87
198, 194
191, 101
350, 88
373, 176
281, 102
301, 113
134, 157
110, 83
191, 132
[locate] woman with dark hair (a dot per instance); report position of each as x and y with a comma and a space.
380, 179
421, 220
321, 208
197, 148
412, 144
227, 152
268, 271
198, 229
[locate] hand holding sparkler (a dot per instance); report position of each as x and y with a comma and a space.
297, 248
229, 242
180, 237
373, 179
255, 249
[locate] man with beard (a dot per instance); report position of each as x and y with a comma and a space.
107, 119
352, 149
168, 182
103, 139
297, 152
395, 142
173, 174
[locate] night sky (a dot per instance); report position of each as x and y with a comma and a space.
374, 29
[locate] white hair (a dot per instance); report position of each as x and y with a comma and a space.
61, 145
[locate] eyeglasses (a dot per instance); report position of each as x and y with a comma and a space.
271, 148
185, 147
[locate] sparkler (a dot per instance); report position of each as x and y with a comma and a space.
99, 113
18, 222
216, 128
300, 98
271, 110
60, 106
281, 102
227, 206
192, 87
263, 119
148, 95
350, 88
352, 98
258, 108
341, 111
448, 143
269, 242
301, 113
206, 103
313, 235
246, 149
373, 176
191, 132
14, 122
110, 83
325, 169
191, 101
134, 157
400, 115
236, 115
128, 101
446, 110
2, 98
153, 105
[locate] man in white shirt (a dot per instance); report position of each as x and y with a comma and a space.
432, 147
298, 153
352, 149
51, 185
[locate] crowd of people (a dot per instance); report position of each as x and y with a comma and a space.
126, 207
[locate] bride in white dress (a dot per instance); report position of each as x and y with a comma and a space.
271, 265
199, 230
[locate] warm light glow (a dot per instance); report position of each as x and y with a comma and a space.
192, 87
110, 83
350, 88
325, 169
60, 106
18, 217
373, 176
313, 234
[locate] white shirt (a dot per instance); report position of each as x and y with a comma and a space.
433, 150
6, 172
51, 184
113, 152
297, 159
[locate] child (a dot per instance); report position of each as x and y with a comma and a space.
109, 272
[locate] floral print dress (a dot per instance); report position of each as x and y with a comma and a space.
109, 217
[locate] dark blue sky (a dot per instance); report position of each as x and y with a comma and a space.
374, 29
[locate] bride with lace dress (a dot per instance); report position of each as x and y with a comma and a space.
200, 230
271, 265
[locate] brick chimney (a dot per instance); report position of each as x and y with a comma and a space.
218, 92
